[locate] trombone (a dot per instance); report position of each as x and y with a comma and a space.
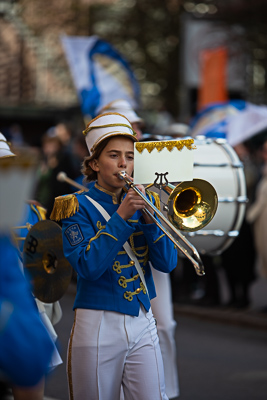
189, 211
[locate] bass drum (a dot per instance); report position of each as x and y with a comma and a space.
216, 162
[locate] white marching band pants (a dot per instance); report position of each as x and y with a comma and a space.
162, 309
108, 350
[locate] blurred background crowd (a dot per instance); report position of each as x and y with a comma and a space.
63, 148
186, 67
190, 69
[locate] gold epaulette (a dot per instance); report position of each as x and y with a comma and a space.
156, 197
64, 207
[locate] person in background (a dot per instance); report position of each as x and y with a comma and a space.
109, 241
239, 259
161, 305
63, 131
25, 346
177, 130
80, 151
55, 160
128, 111
70, 147
15, 135
257, 216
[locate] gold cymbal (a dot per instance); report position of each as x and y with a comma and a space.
43, 258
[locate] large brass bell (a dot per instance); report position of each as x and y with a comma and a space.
191, 204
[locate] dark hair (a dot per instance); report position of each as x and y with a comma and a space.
87, 171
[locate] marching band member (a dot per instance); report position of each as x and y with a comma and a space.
109, 241
25, 345
162, 306
51, 313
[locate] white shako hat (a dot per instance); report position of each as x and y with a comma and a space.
177, 129
4, 147
107, 125
123, 107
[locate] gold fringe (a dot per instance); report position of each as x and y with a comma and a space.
168, 144
64, 207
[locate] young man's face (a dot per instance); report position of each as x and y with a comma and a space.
118, 155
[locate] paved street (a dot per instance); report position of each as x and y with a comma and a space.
217, 360
57, 382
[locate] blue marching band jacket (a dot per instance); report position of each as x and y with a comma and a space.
107, 277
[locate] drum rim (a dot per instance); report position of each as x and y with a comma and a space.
238, 169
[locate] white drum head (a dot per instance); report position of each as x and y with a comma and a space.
217, 162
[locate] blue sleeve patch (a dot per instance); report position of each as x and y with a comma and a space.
74, 234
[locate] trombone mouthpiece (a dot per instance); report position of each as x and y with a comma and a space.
122, 175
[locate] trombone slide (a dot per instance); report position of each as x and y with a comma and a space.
194, 258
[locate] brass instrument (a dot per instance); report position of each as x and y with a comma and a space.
191, 206
43, 258
187, 210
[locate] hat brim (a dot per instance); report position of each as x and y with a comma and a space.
4, 153
112, 135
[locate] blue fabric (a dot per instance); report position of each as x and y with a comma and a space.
80, 180
91, 100
98, 268
31, 216
208, 123
25, 346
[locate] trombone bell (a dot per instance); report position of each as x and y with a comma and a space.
191, 204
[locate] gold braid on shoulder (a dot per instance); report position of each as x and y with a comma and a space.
64, 207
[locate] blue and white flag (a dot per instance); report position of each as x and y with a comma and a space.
236, 121
213, 120
100, 73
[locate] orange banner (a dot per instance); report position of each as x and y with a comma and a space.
212, 88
